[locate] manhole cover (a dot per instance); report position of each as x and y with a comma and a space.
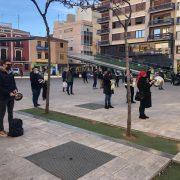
70, 161
91, 106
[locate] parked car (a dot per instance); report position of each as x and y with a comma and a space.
16, 71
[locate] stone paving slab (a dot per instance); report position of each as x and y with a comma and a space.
131, 163
177, 158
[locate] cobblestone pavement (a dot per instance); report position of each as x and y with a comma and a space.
129, 164
164, 114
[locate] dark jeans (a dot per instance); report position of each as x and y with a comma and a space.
36, 93
108, 100
95, 83
70, 87
44, 91
9, 104
85, 80
132, 93
141, 109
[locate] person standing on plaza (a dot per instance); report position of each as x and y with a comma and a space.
108, 91
70, 81
131, 86
8, 91
161, 74
144, 86
44, 85
100, 76
117, 77
36, 85
84, 76
95, 76
64, 74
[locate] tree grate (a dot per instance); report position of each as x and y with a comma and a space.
70, 161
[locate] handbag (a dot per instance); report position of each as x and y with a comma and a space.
139, 96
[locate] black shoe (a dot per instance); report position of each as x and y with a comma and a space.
110, 106
146, 117
38, 105
72, 93
106, 107
142, 117
133, 102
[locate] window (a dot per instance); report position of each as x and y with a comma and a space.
140, 7
177, 49
140, 20
70, 48
46, 44
3, 54
178, 20
61, 56
178, 35
116, 25
61, 45
68, 30
140, 34
39, 56
39, 43
18, 55
157, 31
46, 55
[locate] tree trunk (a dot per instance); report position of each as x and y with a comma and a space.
128, 132
49, 70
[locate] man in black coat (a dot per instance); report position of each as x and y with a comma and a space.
107, 90
36, 85
8, 91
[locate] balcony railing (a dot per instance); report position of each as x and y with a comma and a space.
18, 45
157, 37
4, 44
103, 7
41, 48
103, 20
103, 43
168, 6
103, 31
160, 22
18, 59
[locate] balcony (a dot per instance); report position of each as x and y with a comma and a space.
103, 8
41, 48
160, 37
103, 31
161, 22
103, 20
19, 59
103, 43
163, 7
18, 45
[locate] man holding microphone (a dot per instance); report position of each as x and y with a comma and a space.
8, 92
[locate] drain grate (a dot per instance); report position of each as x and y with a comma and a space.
91, 106
70, 161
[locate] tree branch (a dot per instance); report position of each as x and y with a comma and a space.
38, 8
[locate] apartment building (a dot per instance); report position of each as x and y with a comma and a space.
17, 52
80, 32
152, 33
39, 52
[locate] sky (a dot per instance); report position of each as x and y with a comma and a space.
29, 19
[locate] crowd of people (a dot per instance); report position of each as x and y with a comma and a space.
109, 81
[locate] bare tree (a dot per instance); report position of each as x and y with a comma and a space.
43, 13
117, 9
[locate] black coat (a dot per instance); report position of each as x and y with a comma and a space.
7, 84
144, 88
34, 78
107, 85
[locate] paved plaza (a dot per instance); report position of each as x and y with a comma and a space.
129, 163
164, 114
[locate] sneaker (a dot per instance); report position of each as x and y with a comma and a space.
3, 134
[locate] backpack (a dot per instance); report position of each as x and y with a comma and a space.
16, 128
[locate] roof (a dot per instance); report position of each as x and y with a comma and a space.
45, 38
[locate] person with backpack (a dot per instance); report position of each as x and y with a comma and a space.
8, 91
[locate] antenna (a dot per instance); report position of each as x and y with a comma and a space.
18, 20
